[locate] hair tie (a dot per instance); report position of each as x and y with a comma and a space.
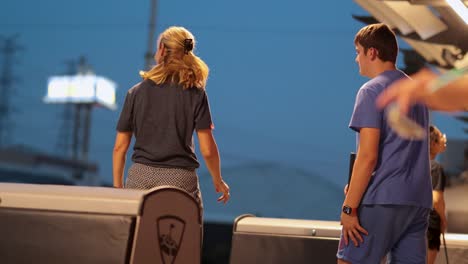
188, 45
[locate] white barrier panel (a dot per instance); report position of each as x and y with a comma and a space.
457, 249
73, 224
275, 241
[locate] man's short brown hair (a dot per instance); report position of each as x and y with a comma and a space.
380, 37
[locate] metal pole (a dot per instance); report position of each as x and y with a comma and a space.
9, 48
76, 131
87, 130
149, 61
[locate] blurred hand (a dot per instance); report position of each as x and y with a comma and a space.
345, 190
406, 92
222, 187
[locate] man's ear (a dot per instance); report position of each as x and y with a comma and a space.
373, 53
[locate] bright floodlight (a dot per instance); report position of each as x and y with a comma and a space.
81, 89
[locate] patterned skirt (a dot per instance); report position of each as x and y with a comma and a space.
142, 176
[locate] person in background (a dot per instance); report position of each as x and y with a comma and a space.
437, 219
162, 112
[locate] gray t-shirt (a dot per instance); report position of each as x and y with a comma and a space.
438, 176
402, 174
163, 119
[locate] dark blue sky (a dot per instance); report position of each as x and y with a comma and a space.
282, 84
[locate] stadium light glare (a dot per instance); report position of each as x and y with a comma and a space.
81, 89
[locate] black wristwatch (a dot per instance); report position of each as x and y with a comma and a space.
349, 210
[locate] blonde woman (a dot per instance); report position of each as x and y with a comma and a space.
162, 112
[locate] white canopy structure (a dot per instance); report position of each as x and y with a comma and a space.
436, 29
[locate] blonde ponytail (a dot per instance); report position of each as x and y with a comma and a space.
179, 65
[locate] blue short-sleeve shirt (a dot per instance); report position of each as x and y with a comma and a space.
402, 173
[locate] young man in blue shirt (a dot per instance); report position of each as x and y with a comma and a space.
389, 197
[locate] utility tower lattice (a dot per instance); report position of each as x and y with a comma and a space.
8, 48
64, 139
74, 134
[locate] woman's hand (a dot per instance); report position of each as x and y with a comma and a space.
222, 187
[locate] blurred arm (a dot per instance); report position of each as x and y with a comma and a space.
406, 92
452, 97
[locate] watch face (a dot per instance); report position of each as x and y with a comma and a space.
347, 210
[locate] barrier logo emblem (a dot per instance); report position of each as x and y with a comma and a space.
170, 234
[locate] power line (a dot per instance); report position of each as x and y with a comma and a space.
214, 28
